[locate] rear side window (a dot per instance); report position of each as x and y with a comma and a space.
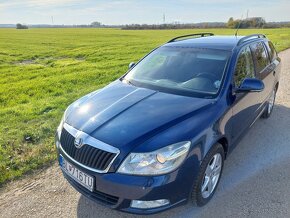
245, 66
260, 56
272, 51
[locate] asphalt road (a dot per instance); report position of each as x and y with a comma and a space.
255, 181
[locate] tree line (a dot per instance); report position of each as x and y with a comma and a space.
253, 22
21, 26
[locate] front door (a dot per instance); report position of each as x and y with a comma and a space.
245, 106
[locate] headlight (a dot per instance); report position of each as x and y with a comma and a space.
157, 162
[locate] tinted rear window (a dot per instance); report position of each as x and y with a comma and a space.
260, 56
272, 51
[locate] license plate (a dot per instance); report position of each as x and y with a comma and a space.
76, 174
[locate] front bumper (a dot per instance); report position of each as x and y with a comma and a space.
117, 190
121, 204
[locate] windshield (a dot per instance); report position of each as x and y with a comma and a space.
180, 70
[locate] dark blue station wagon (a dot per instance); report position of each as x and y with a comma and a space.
157, 137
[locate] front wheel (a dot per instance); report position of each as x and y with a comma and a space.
209, 176
270, 105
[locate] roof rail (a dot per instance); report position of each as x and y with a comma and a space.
249, 37
196, 34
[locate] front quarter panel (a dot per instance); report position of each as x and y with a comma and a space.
203, 130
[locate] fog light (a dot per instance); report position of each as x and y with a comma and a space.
149, 204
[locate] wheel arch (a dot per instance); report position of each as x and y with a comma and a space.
277, 86
224, 142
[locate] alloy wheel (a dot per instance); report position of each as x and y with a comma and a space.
211, 175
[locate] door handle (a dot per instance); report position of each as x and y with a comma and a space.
274, 73
272, 67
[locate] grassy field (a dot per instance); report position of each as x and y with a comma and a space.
44, 70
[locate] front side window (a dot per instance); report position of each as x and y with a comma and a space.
260, 56
181, 70
245, 66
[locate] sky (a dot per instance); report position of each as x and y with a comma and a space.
114, 12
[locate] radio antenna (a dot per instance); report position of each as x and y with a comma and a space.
236, 34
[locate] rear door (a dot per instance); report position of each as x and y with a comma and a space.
245, 105
264, 70
274, 61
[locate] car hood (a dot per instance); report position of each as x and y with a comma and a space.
122, 115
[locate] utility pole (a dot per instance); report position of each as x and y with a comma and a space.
247, 13
52, 20
164, 18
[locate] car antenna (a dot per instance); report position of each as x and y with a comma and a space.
236, 34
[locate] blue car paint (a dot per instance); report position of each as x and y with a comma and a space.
136, 119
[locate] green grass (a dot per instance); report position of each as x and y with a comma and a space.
44, 70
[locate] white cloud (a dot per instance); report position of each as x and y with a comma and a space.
137, 11
34, 3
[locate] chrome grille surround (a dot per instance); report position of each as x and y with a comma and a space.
94, 144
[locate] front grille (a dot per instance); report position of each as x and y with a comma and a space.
86, 155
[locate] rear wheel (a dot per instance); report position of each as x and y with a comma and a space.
209, 176
270, 105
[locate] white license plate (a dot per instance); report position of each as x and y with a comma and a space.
76, 174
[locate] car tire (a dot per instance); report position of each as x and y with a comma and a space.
201, 195
270, 105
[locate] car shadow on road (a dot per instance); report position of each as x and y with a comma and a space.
266, 144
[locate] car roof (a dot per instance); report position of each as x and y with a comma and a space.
209, 42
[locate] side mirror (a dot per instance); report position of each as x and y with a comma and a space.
251, 85
131, 65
